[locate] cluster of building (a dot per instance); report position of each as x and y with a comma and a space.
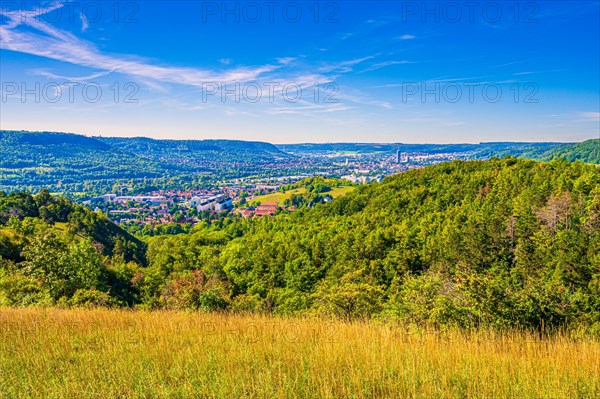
264, 209
190, 206
217, 203
402, 157
373, 167
174, 206
362, 179
124, 199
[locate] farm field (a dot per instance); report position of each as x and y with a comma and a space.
279, 196
58, 353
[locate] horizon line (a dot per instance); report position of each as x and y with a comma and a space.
297, 143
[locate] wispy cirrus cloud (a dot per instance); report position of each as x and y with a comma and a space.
344, 66
590, 116
51, 75
524, 73
84, 22
384, 64
308, 108
31, 35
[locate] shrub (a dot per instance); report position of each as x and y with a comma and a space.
192, 290
351, 298
92, 298
19, 290
247, 303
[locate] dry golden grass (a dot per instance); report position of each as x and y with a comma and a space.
124, 354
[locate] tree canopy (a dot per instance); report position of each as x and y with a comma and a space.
504, 242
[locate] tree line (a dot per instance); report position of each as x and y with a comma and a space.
505, 242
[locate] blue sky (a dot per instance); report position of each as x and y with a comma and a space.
384, 71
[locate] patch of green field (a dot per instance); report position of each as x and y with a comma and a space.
279, 196
339, 191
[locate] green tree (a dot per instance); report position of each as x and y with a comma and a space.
63, 268
351, 298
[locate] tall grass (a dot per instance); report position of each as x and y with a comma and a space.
124, 354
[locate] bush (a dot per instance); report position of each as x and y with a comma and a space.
351, 298
247, 303
62, 268
19, 290
191, 290
92, 298
287, 301
428, 300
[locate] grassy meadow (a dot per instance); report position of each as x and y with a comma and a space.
54, 353
280, 196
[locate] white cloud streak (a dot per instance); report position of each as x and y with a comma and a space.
84, 22
591, 116
28, 33
50, 42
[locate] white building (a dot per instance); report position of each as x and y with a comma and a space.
216, 203
224, 204
146, 199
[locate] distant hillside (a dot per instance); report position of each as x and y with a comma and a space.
143, 145
81, 166
31, 160
55, 150
47, 139
587, 151
480, 151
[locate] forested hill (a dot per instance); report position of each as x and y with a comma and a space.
146, 146
25, 214
133, 144
54, 252
504, 242
479, 151
75, 163
587, 151
71, 148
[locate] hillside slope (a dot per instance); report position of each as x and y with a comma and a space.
54, 252
23, 213
480, 150
148, 146
32, 160
587, 151
504, 242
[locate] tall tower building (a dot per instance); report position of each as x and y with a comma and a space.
398, 157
